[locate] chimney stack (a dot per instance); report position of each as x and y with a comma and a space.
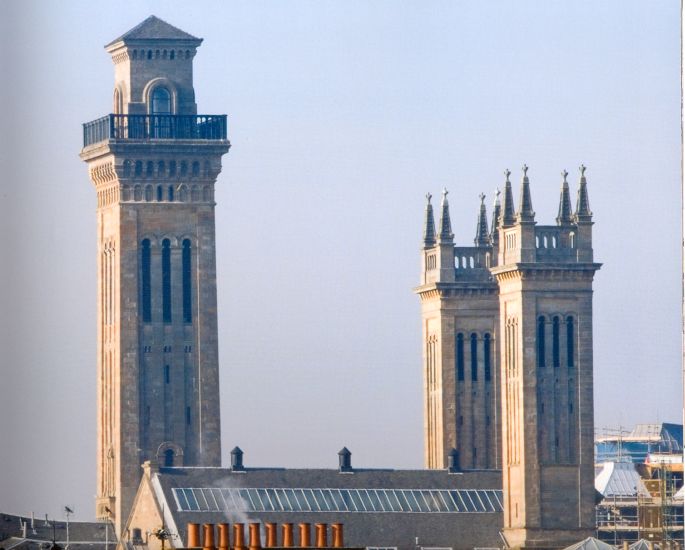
305, 535
255, 537
224, 539
271, 534
237, 460
453, 461
337, 529
287, 535
193, 535
321, 535
239, 536
344, 460
208, 536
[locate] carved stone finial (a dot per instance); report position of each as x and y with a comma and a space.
582, 169
428, 197
482, 198
525, 170
444, 192
497, 193
564, 174
507, 173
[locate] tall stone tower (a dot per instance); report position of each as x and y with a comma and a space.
460, 311
545, 276
154, 162
507, 336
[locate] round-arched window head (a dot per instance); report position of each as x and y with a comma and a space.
161, 102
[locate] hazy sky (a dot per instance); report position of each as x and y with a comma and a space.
342, 115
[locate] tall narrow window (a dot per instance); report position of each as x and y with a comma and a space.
486, 357
169, 458
167, 374
170, 195
145, 282
187, 280
460, 357
555, 341
166, 281
159, 193
161, 102
474, 357
541, 341
570, 342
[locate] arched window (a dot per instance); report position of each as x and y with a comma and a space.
161, 102
460, 356
117, 102
570, 342
145, 281
169, 458
541, 341
127, 168
486, 357
196, 168
161, 168
159, 193
170, 194
474, 357
166, 281
187, 297
555, 342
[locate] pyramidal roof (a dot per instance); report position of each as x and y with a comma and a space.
620, 479
153, 28
590, 543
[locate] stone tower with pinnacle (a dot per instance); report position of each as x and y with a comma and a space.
460, 310
529, 289
154, 162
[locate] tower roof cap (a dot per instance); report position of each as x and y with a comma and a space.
154, 28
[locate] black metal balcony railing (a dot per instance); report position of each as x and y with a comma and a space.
154, 127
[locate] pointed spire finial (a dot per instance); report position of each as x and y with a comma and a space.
445, 223
482, 236
583, 212
496, 208
525, 212
429, 224
564, 216
507, 217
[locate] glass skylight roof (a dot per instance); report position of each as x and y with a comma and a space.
338, 500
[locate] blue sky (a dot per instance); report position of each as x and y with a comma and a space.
342, 116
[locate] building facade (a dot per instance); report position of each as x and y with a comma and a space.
507, 328
154, 162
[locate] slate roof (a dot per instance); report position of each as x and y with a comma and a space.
154, 28
669, 436
642, 544
82, 535
590, 543
621, 480
362, 528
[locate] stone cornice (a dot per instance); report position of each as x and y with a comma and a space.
546, 271
444, 290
